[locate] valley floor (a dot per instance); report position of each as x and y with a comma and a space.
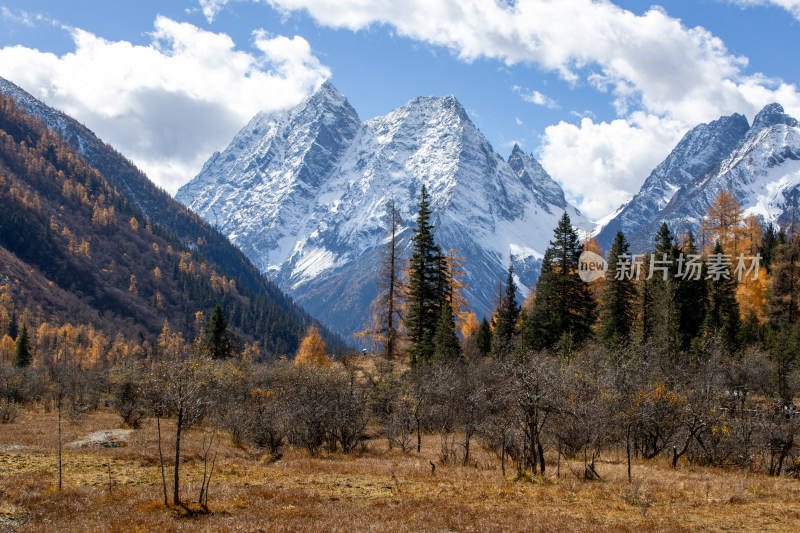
374, 490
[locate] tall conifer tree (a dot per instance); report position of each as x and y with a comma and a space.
506, 317
22, 353
722, 316
563, 303
424, 277
666, 320
445, 341
483, 337
784, 286
618, 300
690, 295
215, 335
385, 328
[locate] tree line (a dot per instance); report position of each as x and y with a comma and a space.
700, 371
734, 287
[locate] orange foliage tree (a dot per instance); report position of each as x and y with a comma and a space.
312, 350
723, 223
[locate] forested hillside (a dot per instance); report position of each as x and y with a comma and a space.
77, 250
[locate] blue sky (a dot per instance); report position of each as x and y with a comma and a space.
598, 91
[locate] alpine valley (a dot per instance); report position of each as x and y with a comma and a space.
303, 193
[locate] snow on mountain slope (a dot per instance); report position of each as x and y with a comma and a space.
304, 192
260, 190
698, 153
763, 173
760, 164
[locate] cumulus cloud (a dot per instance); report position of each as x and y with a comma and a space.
650, 61
169, 104
650, 65
211, 8
534, 97
792, 6
601, 163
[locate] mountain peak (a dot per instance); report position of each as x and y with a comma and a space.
771, 115
326, 93
305, 198
440, 104
328, 90
535, 177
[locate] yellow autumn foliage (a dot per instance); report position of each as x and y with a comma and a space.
312, 350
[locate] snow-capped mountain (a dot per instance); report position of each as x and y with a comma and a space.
760, 164
697, 154
304, 192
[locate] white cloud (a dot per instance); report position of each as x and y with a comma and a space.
534, 97
518, 121
211, 8
792, 6
648, 61
169, 104
23, 18
599, 164
651, 65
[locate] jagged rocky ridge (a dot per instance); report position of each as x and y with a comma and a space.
760, 164
303, 193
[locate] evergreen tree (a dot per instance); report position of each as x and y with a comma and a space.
782, 344
22, 353
722, 316
424, 278
666, 318
13, 329
665, 242
444, 285
768, 248
646, 298
445, 341
563, 301
483, 337
618, 299
784, 286
506, 317
216, 341
690, 295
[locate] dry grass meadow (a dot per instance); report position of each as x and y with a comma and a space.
374, 490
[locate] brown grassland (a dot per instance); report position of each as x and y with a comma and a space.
373, 490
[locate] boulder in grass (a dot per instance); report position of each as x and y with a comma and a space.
107, 438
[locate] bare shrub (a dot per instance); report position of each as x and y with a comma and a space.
8, 411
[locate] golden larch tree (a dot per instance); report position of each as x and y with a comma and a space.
312, 350
469, 325
458, 303
7, 347
751, 293
723, 223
